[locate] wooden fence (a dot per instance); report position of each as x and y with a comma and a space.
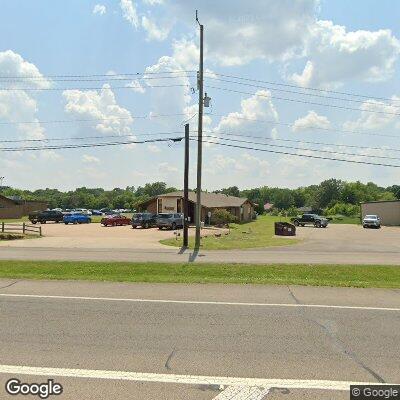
23, 228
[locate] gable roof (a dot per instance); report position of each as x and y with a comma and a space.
7, 200
210, 200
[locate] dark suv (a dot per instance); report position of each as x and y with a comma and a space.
44, 216
145, 220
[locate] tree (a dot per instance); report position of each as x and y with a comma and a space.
230, 191
328, 193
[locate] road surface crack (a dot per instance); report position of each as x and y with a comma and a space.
167, 363
10, 284
293, 296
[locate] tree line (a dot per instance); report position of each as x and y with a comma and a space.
333, 196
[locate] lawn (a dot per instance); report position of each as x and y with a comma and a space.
276, 274
258, 233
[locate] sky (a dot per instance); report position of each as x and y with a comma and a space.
287, 79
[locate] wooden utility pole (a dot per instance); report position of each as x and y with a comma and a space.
199, 139
186, 191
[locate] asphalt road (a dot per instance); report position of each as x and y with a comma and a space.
157, 341
289, 254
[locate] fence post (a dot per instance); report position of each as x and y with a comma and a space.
2, 227
40, 231
23, 228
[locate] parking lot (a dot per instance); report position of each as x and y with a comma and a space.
96, 236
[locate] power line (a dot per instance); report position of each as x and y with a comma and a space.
300, 155
305, 88
291, 125
93, 75
305, 149
90, 145
293, 91
304, 141
89, 88
93, 119
61, 139
303, 101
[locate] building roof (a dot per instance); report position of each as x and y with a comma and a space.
210, 200
380, 201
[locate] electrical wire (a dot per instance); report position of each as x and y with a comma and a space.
302, 101
89, 145
299, 155
291, 125
305, 149
94, 75
303, 141
148, 116
301, 87
89, 88
295, 92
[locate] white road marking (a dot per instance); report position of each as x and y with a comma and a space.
222, 303
180, 379
243, 393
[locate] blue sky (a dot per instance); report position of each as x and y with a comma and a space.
331, 45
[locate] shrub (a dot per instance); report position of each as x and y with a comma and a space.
222, 217
349, 210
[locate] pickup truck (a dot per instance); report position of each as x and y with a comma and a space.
45, 216
310, 219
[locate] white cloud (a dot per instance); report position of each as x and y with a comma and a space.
385, 115
100, 105
186, 54
335, 56
129, 12
136, 86
259, 106
311, 120
99, 9
237, 34
153, 2
20, 105
154, 32
166, 168
86, 158
153, 148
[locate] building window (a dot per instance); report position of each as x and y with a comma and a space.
159, 206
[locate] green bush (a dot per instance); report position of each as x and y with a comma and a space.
349, 210
222, 217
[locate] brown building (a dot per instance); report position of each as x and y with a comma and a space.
241, 208
388, 211
17, 208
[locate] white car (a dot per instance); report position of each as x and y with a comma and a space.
371, 221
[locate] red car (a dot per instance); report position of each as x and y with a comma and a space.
115, 220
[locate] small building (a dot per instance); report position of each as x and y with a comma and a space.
241, 208
15, 207
387, 210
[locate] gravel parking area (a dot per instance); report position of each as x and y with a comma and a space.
96, 236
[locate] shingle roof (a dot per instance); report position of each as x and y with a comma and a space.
211, 200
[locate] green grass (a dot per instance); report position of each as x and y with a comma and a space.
276, 274
345, 220
258, 233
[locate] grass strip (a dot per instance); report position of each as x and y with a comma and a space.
277, 274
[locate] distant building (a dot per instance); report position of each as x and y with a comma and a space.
15, 207
268, 207
241, 208
387, 210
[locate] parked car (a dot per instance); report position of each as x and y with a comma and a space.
115, 220
310, 219
145, 220
169, 221
44, 216
371, 221
96, 212
76, 218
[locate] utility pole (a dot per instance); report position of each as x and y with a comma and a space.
186, 190
199, 139
1, 180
